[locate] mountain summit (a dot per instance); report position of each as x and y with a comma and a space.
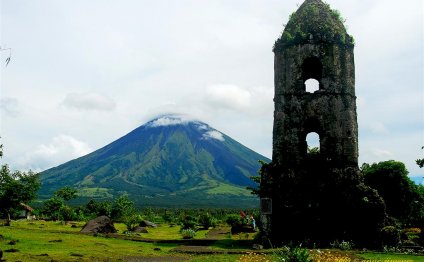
169, 161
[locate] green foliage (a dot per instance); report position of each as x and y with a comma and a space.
66, 193
344, 245
313, 150
67, 213
257, 179
52, 207
188, 222
131, 221
96, 209
420, 162
404, 200
390, 236
233, 220
121, 208
207, 221
188, 233
292, 254
315, 22
16, 188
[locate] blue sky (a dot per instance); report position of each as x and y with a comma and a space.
84, 73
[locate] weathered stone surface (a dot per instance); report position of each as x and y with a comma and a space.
317, 197
102, 224
146, 223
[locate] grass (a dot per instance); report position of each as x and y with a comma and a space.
55, 241
390, 257
47, 244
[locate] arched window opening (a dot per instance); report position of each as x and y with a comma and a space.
311, 85
313, 143
312, 71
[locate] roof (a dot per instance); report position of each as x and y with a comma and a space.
314, 22
26, 207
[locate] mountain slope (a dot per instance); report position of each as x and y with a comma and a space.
167, 161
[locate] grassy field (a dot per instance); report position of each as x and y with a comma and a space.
54, 241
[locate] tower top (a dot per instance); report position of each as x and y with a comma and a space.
314, 22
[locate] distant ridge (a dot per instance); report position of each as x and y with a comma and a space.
171, 161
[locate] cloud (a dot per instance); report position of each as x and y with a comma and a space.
213, 134
60, 149
89, 101
228, 96
171, 120
10, 106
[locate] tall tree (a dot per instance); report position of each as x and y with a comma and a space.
16, 188
402, 197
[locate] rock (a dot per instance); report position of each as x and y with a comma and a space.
101, 224
140, 229
146, 223
257, 247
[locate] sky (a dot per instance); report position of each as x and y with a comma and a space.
84, 73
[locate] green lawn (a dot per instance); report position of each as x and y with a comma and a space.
377, 257
54, 241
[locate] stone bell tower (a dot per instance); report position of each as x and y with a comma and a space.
305, 195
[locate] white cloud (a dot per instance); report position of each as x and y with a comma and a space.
213, 134
228, 96
89, 101
171, 120
161, 56
60, 149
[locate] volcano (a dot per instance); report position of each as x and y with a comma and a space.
170, 161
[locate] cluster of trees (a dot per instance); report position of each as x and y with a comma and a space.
16, 188
403, 198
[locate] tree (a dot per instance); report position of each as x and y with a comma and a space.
402, 197
66, 193
16, 188
55, 207
122, 207
420, 162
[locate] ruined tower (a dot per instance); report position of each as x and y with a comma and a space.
306, 195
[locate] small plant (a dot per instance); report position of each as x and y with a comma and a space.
295, 254
188, 233
344, 245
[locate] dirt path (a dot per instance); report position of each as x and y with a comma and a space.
218, 233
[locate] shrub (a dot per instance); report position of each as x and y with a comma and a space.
390, 236
207, 221
188, 222
132, 221
344, 245
233, 220
296, 254
188, 233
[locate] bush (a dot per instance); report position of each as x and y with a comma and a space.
132, 221
188, 222
296, 254
233, 220
207, 221
188, 233
390, 236
344, 245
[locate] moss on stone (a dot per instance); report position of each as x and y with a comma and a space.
314, 22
